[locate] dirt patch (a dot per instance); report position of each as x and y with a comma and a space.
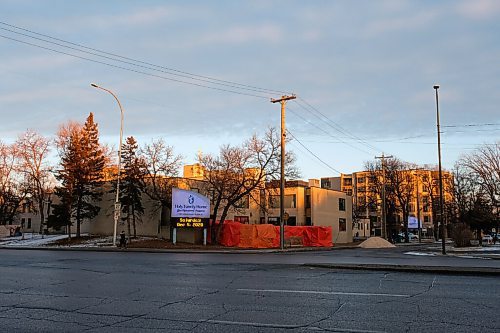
72, 241
376, 243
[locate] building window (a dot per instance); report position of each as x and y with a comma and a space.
242, 219
243, 202
349, 192
275, 220
29, 223
342, 204
342, 225
290, 201
427, 219
23, 222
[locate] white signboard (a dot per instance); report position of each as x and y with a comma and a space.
189, 204
412, 222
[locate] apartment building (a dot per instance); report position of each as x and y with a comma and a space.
366, 199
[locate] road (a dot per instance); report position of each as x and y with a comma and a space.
73, 291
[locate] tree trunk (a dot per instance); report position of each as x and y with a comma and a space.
133, 222
214, 228
128, 223
163, 216
42, 215
78, 216
221, 223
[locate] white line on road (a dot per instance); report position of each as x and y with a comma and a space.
320, 292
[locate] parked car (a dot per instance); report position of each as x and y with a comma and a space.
411, 236
487, 239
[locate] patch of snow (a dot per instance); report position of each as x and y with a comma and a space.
420, 254
30, 240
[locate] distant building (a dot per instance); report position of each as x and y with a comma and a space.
367, 201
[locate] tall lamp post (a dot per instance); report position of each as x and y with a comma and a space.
441, 212
117, 199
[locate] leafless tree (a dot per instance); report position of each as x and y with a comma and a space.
484, 163
13, 190
477, 187
399, 188
160, 166
33, 150
240, 171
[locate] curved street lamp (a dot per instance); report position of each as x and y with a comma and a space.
117, 199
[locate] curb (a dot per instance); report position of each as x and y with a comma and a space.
182, 250
414, 269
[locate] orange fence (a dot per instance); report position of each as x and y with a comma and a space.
260, 236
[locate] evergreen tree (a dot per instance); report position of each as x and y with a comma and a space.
81, 173
132, 185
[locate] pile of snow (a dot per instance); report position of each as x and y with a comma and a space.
376, 243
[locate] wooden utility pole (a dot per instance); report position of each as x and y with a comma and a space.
384, 218
282, 101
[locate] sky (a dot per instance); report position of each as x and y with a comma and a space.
200, 74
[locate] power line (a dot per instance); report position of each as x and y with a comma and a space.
473, 125
133, 70
327, 133
334, 125
313, 154
132, 62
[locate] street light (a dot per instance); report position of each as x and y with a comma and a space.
117, 201
443, 230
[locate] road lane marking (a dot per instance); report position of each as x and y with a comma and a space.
320, 292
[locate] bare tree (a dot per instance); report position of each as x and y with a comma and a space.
160, 166
33, 150
400, 178
13, 190
240, 171
477, 188
484, 163
399, 189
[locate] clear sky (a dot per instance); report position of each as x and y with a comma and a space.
363, 71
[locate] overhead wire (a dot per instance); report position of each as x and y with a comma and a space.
136, 63
133, 70
333, 124
313, 154
326, 132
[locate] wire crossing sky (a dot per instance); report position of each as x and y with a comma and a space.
202, 74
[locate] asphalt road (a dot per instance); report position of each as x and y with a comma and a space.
70, 291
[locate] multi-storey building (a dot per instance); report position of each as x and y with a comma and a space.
366, 198
306, 203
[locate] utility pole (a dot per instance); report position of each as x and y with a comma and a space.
441, 211
282, 101
384, 222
